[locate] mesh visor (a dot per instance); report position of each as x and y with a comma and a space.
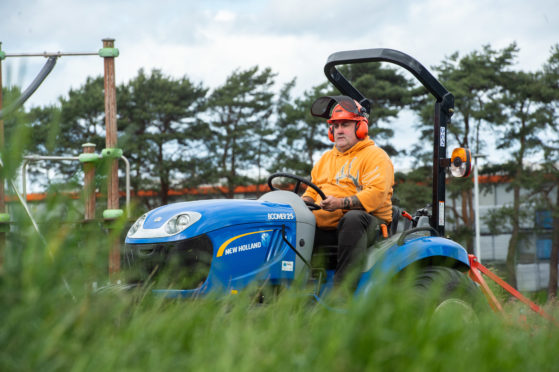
323, 106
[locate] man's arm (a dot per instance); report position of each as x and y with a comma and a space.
331, 203
377, 180
351, 202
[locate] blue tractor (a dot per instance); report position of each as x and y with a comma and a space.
223, 246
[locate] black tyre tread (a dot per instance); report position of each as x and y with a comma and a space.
450, 283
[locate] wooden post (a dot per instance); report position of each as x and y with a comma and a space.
111, 143
89, 183
110, 124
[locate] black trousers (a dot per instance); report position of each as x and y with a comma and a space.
351, 237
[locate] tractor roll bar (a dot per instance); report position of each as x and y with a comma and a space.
444, 108
380, 55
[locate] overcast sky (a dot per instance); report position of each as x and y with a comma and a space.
207, 40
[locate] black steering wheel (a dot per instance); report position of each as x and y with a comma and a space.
312, 206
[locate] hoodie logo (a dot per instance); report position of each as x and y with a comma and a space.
345, 172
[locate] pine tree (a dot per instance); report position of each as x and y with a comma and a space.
302, 137
549, 176
238, 113
161, 133
522, 132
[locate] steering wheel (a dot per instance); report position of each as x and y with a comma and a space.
312, 206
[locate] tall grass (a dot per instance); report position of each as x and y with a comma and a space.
52, 320
49, 326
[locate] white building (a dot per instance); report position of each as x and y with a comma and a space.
532, 269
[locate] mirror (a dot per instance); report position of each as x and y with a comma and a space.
461, 162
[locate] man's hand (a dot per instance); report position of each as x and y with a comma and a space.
331, 203
308, 199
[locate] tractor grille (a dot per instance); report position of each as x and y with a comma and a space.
179, 265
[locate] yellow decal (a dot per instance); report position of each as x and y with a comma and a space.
224, 245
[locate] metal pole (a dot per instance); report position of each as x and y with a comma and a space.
443, 113
29, 158
476, 206
437, 216
25, 206
24, 178
477, 248
48, 157
51, 54
127, 165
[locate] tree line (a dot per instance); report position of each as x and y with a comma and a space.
178, 133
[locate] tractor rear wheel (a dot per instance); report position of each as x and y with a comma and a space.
448, 292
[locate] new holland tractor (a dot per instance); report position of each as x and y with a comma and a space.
223, 246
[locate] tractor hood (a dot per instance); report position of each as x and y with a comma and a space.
185, 220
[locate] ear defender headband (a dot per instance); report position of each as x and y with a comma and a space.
334, 108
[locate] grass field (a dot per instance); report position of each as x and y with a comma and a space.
52, 320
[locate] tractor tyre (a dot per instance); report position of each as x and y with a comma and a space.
444, 290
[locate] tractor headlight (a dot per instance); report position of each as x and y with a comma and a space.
177, 224
136, 226
180, 222
148, 227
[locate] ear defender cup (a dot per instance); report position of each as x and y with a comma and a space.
361, 129
331, 133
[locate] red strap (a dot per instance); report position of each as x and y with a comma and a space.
476, 277
476, 267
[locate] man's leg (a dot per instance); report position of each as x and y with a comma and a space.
325, 248
352, 240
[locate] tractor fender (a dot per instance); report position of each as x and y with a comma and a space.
388, 258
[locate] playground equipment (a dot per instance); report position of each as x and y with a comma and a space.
87, 157
108, 52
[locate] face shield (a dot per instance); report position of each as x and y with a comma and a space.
324, 106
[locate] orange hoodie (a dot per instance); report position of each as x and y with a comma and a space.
364, 170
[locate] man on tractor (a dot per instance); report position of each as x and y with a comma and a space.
357, 177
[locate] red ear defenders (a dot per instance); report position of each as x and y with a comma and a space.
361, 130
